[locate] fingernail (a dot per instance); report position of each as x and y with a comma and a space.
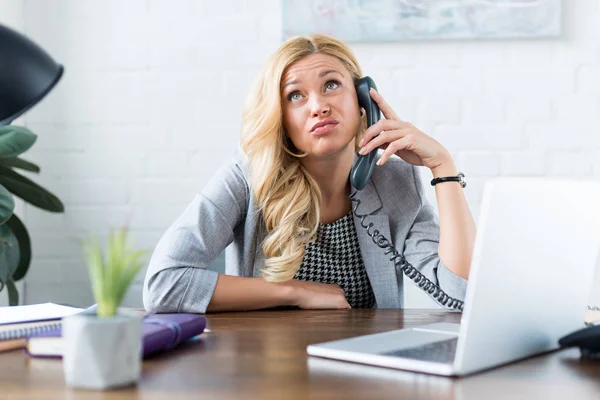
362, 151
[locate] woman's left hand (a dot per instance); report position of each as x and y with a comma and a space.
403, 139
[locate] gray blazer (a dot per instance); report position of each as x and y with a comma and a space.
225, 214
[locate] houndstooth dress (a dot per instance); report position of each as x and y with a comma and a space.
335, 258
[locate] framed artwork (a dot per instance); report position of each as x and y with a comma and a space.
398, 20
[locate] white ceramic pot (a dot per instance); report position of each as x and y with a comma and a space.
102, 353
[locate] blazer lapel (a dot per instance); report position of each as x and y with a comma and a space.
380, 269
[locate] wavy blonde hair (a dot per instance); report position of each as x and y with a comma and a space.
288, 196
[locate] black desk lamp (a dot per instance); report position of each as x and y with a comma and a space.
27, 74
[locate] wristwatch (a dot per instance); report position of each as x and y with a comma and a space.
460, 178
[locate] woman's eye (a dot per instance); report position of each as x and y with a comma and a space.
332, 85
295, 96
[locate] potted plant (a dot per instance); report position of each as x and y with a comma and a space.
104, 349
15, 245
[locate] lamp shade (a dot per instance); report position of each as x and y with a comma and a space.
27, 74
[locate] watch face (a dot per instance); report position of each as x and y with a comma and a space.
461, 179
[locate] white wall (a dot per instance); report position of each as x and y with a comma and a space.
12, 14
152, 93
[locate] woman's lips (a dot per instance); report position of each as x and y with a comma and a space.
321, 130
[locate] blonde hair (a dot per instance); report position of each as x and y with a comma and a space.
288, 196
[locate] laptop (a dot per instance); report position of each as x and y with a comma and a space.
533, 263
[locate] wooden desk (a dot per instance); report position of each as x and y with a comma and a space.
262, 355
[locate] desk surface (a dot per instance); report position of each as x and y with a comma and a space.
262, 355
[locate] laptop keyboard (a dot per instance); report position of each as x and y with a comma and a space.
441, 352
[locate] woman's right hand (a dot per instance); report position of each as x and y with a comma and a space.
314, 295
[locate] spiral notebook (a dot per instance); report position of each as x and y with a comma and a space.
22, 321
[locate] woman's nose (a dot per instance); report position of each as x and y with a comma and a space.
320, 108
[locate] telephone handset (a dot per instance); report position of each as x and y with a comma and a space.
587, 339
362, 170
359, 177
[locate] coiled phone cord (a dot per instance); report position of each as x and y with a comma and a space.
434, 291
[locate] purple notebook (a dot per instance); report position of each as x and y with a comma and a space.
164, 331
161, 332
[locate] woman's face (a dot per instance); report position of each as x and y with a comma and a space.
320, 107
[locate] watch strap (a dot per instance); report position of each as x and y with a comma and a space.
460, 178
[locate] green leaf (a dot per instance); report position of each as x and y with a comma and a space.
29, 191
4, 271
15, 140
20, 163
7, 204
95, 262
9, 253
20, 231
132, 264
13, 293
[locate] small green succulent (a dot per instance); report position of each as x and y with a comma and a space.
111, 274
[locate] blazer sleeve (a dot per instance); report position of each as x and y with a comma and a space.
177, 278
421, 248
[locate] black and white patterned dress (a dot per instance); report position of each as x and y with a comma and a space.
335, 258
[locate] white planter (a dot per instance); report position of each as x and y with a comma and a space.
102, 353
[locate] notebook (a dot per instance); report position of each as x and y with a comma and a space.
35, 312
17, 322
21, 321
160, 332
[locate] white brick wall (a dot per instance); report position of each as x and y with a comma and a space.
152, 94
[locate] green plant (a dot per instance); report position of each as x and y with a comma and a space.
112, 275
15, 245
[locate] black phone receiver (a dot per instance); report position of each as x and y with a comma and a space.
363, 168
587, 339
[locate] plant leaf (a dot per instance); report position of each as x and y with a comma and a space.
9, 253
95, 262
20, 231
13, 293
132, 263
20, 163
7, 204
4, 272
116, 252
29, 191
15, 140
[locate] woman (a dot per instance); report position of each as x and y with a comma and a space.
283, 204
